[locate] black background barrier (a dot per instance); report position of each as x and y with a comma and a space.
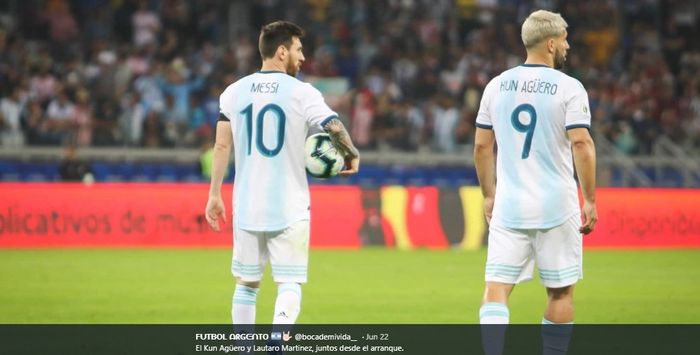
331, 339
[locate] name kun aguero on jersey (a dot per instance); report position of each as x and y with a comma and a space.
536, 86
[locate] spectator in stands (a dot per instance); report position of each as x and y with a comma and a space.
131, 119
83, 116
107, 129
60, 119
146, 25
72, 168
445, 118
640, 62
11, 107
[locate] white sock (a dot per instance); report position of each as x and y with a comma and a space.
288, 303
243, 309
494, 318
555, 337
494, 313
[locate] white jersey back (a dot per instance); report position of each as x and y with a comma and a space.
271, 113
530, 108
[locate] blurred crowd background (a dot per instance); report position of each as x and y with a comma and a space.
149, 73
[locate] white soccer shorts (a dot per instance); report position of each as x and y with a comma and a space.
558, 252
287, 250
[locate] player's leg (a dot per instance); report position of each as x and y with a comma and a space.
560, 305
249, 259
289, 256
510, 261
558, 321
560, 263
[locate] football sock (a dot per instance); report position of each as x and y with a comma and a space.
494, 319
288, 303
555, 337
243, 309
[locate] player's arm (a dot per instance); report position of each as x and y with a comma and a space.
583, 150
222, 150
485, 164
341, 139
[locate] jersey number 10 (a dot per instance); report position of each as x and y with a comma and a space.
528, 129
259, 122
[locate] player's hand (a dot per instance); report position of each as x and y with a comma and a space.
488, 208
590, 215
215, 209
352, 166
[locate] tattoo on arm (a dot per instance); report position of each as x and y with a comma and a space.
341, 138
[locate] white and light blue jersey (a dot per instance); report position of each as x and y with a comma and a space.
271, 113
530, 108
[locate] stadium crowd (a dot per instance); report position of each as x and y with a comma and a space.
149, 73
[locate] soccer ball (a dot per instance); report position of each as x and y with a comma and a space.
322, 159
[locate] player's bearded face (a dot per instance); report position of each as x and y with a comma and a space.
295, 57
562, 45
559, 58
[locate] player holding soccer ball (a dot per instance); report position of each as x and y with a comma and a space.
266, 116
538, 117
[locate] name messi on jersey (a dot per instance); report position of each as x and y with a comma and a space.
536, 86
265, 88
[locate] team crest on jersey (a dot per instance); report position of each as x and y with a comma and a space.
584, 109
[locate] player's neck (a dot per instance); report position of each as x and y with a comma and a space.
537, 59
270, 65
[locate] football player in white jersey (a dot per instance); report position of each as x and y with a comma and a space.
266, 117
538, 117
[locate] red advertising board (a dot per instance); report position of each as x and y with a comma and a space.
171, 215
647, 218
128, 215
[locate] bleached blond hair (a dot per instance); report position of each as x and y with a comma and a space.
540, 25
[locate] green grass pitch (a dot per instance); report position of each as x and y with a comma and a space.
359, 286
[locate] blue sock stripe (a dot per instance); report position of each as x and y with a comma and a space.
238, 300
239, 293
505, 311
289, 272
245, 290
250, 273
244, 294
495, 308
